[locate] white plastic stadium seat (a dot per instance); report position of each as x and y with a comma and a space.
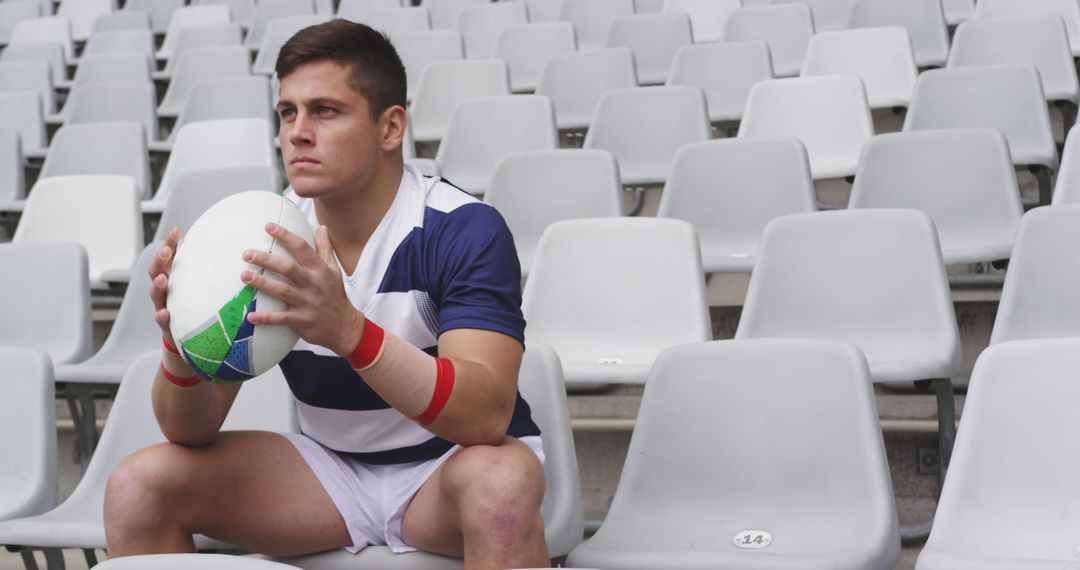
1041, 41
200, 64
526, 50
592, 19
95, 68
829, 15
444, 84
270, 10
133, 332
829, 114
958, 11
197, 190
202, 36
277, 33
98, 212
115, 101
690, 497
1067, 10
575, 81
242, 11
1067, 185
881, 57
191, 562
870, 277
654, 39
874, 278
160, 11
725, 71
645, 126
787, 30
121, 41
419, 48
924, 20
100, 148
533, 190
264, 403
543, 10
30, 481
483, 130
45, 29
1010, 487
46, 298
49, 52
962, 178
82, 13
246, 97
392, 22
29, 75
123, 20
214, 144
1005, 97
20, 111
481, 24
1038, 299
708, 17
444, 13
730, 189
190, 16
357, 10
13, 12
541, 384
585, 275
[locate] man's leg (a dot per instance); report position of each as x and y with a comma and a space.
251, 489
484, 504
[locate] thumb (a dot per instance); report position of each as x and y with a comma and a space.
324, 248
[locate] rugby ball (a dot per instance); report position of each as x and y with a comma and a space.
208, 303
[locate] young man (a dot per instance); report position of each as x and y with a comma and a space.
399, 447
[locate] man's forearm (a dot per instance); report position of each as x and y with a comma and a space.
188, 412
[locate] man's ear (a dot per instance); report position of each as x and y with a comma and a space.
394, 121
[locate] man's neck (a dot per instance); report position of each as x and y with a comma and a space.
350, 218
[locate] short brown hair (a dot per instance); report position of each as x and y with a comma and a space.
377, 71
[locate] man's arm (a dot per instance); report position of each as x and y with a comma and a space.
481, 378
189, 411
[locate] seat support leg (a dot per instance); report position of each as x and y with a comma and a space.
54, 559
80, 400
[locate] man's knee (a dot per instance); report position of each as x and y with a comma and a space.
500, 489
145, 486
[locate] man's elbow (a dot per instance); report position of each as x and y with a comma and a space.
484, 429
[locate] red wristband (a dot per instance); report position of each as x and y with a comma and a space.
369, 347
181, 381
168, 347
444, 384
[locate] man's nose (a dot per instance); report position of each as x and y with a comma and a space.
300, 130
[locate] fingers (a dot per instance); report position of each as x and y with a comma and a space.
294, 244
279, 264
272, 287
162, 262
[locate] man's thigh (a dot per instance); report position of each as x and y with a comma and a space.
255, 491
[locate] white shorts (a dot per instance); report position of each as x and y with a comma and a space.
372, 498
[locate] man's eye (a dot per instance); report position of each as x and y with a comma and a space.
323, 110
287, 113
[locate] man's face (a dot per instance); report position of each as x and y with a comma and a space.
329, 142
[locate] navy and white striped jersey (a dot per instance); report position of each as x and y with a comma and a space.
439, 260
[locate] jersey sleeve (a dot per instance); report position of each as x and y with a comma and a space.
478, 273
